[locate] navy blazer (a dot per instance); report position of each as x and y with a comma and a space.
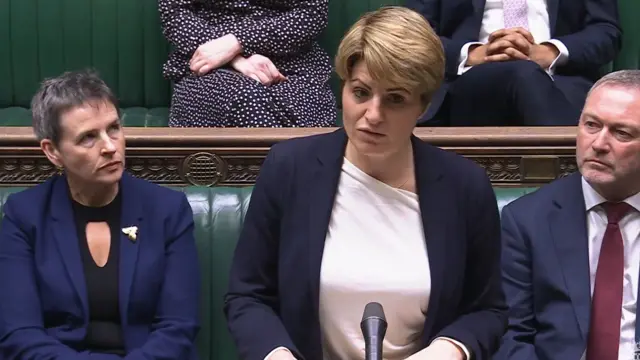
546, 273
42, 281
274, 283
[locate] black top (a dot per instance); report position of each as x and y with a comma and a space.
104, 334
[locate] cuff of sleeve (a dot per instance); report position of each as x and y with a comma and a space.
457, 343
464, 55
244, 38
563, 55
274, 350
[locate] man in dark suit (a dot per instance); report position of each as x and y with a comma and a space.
519, 62
571, 250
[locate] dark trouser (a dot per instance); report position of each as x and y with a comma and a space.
514, 93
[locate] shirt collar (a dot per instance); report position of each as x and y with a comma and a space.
592, 198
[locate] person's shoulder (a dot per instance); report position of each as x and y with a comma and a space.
304, 146
539, 199
32, 197
453, 165
288, 157
26, 206
156, 195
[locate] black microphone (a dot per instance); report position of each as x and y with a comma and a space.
373, 326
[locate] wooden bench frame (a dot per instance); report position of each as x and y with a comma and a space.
233, 156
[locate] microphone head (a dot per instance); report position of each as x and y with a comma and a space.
373, 310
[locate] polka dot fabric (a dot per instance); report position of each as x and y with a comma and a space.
285, 31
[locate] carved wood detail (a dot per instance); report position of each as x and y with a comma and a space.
232, 157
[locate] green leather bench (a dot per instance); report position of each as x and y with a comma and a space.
218, 214
123, 41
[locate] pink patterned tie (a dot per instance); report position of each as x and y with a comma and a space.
515, 13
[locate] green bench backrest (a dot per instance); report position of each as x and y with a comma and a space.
121, 38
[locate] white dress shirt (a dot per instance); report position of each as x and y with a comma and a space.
538, 20
630, 230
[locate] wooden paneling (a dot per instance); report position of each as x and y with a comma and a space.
233, 156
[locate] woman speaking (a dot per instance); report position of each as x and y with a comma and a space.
370, 213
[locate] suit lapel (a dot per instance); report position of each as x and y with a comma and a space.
473, 23
65, 233
323, 183
552, 9
433, 197
478, 7
568, 226
131, 216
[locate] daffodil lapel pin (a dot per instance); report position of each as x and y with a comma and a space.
131, 232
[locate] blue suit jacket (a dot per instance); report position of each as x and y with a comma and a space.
588, 28
275, 276
546, 273
42, 282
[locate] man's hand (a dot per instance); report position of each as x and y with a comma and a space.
440, 349
259, 68
214, 54
503, 45
544, 55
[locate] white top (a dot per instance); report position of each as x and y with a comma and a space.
375, 250
630, 230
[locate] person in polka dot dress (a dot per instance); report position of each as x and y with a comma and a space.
248, 63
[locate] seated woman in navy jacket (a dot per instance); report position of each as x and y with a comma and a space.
370, 213
94, 263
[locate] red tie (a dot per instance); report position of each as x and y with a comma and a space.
606, 304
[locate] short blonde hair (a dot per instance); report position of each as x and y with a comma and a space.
398, 47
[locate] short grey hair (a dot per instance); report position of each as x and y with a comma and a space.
62, 93
628, 79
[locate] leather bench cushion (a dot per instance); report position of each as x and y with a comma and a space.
218, 214
132, 116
